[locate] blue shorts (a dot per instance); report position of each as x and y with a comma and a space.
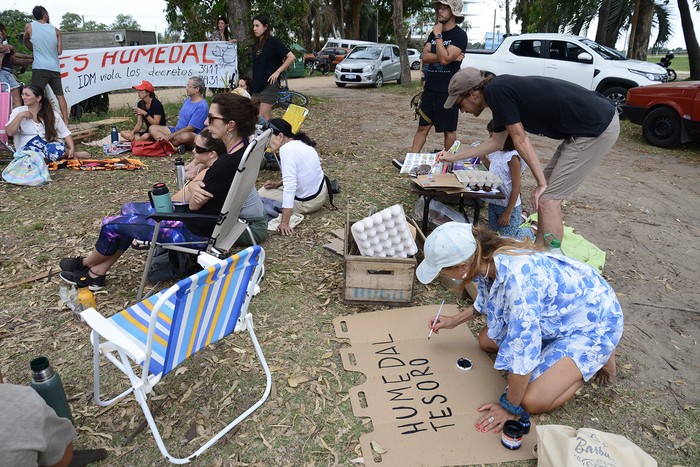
6, 76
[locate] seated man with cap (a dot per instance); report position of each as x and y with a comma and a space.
552, 321
149, 111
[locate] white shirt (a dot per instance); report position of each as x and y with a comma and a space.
499, 165
28, 128
301, 172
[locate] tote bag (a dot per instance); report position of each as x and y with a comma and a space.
160, 148
27, 168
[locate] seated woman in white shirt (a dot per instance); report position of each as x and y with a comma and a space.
38, 126
303, 188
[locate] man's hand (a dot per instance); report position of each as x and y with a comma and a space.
284, 229
437, 29
536, 193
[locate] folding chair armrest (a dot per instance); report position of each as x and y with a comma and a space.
180, 216
108, 331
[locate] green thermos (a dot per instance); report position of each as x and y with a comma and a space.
49, 386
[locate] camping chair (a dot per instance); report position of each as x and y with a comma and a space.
5, 110
162, 331
228, 227
295, 116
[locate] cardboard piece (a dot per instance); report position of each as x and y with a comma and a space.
439, 181
423, 408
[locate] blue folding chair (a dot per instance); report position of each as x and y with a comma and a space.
163, 330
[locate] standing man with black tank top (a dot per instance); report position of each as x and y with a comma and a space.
44, 40
443, 52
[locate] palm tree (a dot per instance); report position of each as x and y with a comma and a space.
691, 41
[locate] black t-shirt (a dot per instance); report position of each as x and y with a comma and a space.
217, 181
156, 109
438, 76
550, 107
267, 61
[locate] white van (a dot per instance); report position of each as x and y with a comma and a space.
345, 43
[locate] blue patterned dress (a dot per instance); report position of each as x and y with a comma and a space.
542, 307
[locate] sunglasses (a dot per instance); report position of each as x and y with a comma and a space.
199, 149
214, 117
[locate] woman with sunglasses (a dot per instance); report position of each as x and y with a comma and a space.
205, 195
304, 187
36, 125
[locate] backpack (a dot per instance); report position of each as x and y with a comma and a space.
167, 265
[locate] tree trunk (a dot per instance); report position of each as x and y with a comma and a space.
355, 14
603, 15
400, 33
641, 29
238, 12
691, 41
507, 5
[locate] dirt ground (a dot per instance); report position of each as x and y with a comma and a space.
640, 206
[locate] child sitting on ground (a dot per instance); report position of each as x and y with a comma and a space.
505, 214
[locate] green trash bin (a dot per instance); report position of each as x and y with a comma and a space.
296, 69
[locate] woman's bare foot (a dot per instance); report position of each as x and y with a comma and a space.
606, 375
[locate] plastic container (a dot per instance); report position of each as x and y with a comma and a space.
512, 436
525, 422
160, 198
48, 384
86, 298
179, 173
115, 135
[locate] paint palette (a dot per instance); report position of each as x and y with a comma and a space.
385, 234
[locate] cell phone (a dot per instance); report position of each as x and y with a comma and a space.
464, 364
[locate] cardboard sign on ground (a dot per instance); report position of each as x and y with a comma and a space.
423, 408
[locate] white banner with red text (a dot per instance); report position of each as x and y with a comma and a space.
89, 72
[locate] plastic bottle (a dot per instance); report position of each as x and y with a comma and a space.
160, 198
49, 386
525, 422
86, 298
179, 173
115, 135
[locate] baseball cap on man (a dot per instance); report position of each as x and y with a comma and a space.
448, 245
464, 80
455, 7
144, 86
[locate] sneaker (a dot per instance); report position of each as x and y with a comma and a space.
72, 264
72, 277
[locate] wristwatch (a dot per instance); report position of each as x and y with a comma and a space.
438, 36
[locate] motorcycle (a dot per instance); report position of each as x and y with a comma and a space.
322, 64
666, 63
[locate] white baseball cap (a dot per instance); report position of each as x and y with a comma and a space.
450, 244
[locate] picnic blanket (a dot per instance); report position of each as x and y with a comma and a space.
114, 163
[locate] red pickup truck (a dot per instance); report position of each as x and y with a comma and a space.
669, 113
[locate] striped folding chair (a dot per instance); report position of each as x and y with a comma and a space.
160, 332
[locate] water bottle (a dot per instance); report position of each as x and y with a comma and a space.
160, 198
86, 299
49, 386
179, 173
115, 135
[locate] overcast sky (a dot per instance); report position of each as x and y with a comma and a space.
151, 16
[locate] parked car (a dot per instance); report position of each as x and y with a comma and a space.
339, 53
413, 58
369, 65
570, 58
669, 113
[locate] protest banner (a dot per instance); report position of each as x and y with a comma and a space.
89, 72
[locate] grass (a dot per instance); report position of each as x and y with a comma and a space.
306, 423
679, 62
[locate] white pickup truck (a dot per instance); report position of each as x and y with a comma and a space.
570, 58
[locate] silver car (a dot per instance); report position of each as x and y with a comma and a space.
369, 65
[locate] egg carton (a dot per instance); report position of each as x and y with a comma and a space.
478, 179
385, 234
